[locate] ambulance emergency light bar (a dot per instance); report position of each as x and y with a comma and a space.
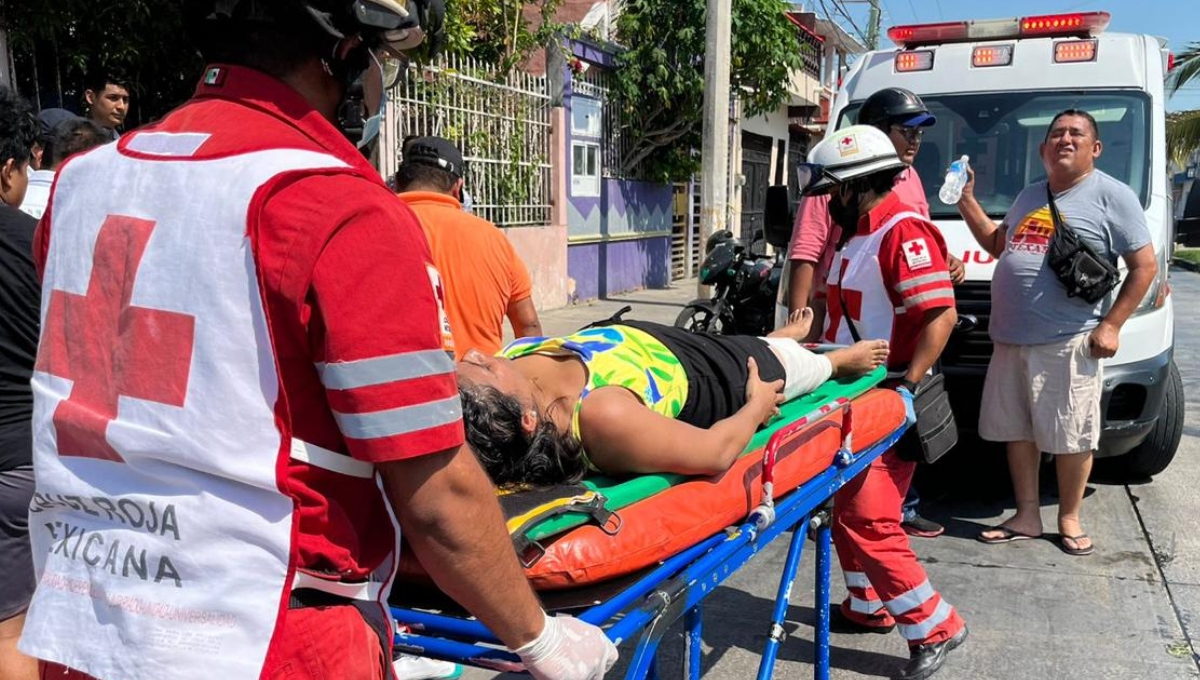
1079, 24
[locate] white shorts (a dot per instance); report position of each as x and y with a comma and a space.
1047, 394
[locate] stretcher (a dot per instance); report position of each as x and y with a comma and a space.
662, 543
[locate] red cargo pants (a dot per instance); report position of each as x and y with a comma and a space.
882, 574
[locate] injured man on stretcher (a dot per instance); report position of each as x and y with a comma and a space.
638, 397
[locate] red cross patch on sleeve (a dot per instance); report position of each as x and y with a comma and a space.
916, 253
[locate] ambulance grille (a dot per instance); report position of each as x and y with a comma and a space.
970, 349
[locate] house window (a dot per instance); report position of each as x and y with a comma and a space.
586, 117
585, 169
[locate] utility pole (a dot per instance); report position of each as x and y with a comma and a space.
714, 149
873, 22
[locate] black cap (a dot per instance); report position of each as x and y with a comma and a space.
435, 151
50, 118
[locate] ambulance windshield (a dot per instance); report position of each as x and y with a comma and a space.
1001, 133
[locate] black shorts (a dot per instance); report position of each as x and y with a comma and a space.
715, 367
16, 560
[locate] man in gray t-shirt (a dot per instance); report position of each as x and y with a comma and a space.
1044, 383
1029, 304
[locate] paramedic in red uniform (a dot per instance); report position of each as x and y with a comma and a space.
903, 117
241, 382
889, 279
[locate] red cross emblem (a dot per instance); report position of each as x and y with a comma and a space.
847, 141
109, 347
916, 248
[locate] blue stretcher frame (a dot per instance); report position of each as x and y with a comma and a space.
675, 590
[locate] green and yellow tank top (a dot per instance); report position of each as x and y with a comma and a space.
617, 356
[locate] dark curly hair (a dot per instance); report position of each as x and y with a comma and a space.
493, 422
19, 128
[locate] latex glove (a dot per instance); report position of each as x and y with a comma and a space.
568, 649
910, 415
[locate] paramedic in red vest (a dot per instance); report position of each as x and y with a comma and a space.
903, 117
241, 382
889, 280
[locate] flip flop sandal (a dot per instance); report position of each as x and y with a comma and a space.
1006, 536
1077, 552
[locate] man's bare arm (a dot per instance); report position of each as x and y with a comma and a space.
989, 235
524, 318
448, 511
1143, 267
939, 324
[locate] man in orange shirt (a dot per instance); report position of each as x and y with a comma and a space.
483, 277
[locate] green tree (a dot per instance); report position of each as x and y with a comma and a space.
55, 44
1183, 127
659, 81
500, 32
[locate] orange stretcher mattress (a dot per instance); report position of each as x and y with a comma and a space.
678, 517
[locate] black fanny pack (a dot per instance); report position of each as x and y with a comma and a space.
1082, 271
936, 431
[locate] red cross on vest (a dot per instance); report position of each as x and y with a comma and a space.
916, 248
109, 347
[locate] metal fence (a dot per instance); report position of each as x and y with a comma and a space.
500, 122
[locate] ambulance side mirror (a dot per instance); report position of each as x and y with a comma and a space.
777, 216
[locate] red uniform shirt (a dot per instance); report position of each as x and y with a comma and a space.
912, 263
348, 289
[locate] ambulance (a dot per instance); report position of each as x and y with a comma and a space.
994, 86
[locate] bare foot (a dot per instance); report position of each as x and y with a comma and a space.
861, 357
1020, 524
798, 325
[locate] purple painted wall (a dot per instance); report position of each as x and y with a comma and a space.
620, 240
610, 267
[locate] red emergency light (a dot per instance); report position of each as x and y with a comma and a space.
1084, 23
991, 55
920, 60
1079, 24
1072, 51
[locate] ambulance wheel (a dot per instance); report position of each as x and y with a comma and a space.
1154, 454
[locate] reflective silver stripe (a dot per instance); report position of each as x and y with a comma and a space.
367, 591
401, 420
946, 293
922, 280
910, 600
864, 606
347, 375
856, 579
333, 461
915, 632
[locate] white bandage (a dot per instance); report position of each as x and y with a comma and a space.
804, 371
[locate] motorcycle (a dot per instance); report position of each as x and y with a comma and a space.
745, 282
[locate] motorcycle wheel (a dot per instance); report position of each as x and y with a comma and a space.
696, 319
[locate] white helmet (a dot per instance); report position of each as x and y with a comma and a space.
856, 151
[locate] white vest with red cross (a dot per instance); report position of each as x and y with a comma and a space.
161, 536
857, 290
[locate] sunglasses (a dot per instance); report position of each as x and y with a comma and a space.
912, 134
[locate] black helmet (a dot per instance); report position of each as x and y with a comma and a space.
894, 105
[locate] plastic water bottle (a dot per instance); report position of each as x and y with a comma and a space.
956, 179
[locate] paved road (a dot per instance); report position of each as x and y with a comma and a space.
1129, 611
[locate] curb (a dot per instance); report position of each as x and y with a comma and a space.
1185, 264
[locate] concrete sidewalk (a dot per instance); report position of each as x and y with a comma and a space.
660, 305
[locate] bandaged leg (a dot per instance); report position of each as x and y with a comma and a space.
804, 371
